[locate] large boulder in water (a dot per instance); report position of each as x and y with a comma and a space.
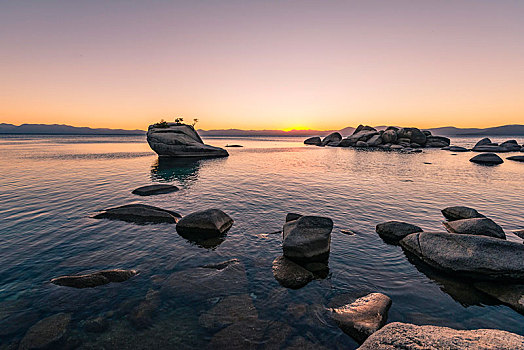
307, 239
394, 231
47, 333
475, 226
331, 138
210, 222
483, 142
94, 279
516, 158
140, 214
413, 134
155, 189
313, 141
406, 336
290, 274
487, 159
473, 256
490, 148
437, 141
363, 317
460, 212
389, 136
180, 140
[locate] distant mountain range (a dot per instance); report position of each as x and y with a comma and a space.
60, 129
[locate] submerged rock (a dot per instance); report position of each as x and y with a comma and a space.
206, 223
46, 333
155, 189
334, 137
180, 140
474, 256
394, 231
313, 141
511, 295
229, 310
363, 317
460, 212
487, 159
140, 214
94, 279
476, 226
289, 274
516, 158
406, 336
307, 239
96, 325
141, 316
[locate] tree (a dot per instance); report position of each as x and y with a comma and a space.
179, 120
194, 122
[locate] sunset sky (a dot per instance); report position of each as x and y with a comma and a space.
262, 64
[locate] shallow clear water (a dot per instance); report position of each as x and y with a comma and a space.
51, 185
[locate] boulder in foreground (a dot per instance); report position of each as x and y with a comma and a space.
476, 226
155, 189
140, 214
206, 223
289, 274
478, 257
394, 231
94, 279
487, 159
313, 141
363, 317
406, 336
307, 239
516, 158
46, 333
180, 140
460, 212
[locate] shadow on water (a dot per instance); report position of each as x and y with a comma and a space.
184, 170
203, 241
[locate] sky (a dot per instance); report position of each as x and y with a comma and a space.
262, 64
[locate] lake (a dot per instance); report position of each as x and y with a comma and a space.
51, 185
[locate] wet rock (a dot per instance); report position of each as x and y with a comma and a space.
46, 332
307, 239
234, 146
94, 279
437, 141
389, 136
96, 325
394, 231
487, 159
313, 141
300, 343
490, 148
180, 140
511, 294
293, 217
229, 310
289, 274
361, 144
516, 158
251, 334
478, 257
460, 212
296, 311
140, 214
406, 336
476, 226
206, 223
363, 317
483, 142
155, 189
214, 280
141, 316
458, 149
333, 137
519, 233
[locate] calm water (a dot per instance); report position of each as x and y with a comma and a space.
50, 186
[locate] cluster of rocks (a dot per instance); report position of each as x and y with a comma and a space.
180, 140
392, 138
485, 145
306, 244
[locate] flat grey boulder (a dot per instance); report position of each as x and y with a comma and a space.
363, 317
485, 141
437, 141
407, 336
346, 143
289, 274
155, 189
94, 279
478, 257
458, 149
516, 158
460, 212
46, 333
230, 309
363, 135
394, 231
490, 148
140, 214
508, 294
475, 226
313, 141
331, 138
307, 239
487, 159
180, 140
206, 223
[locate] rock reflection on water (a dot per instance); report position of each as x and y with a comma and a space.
183, 170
